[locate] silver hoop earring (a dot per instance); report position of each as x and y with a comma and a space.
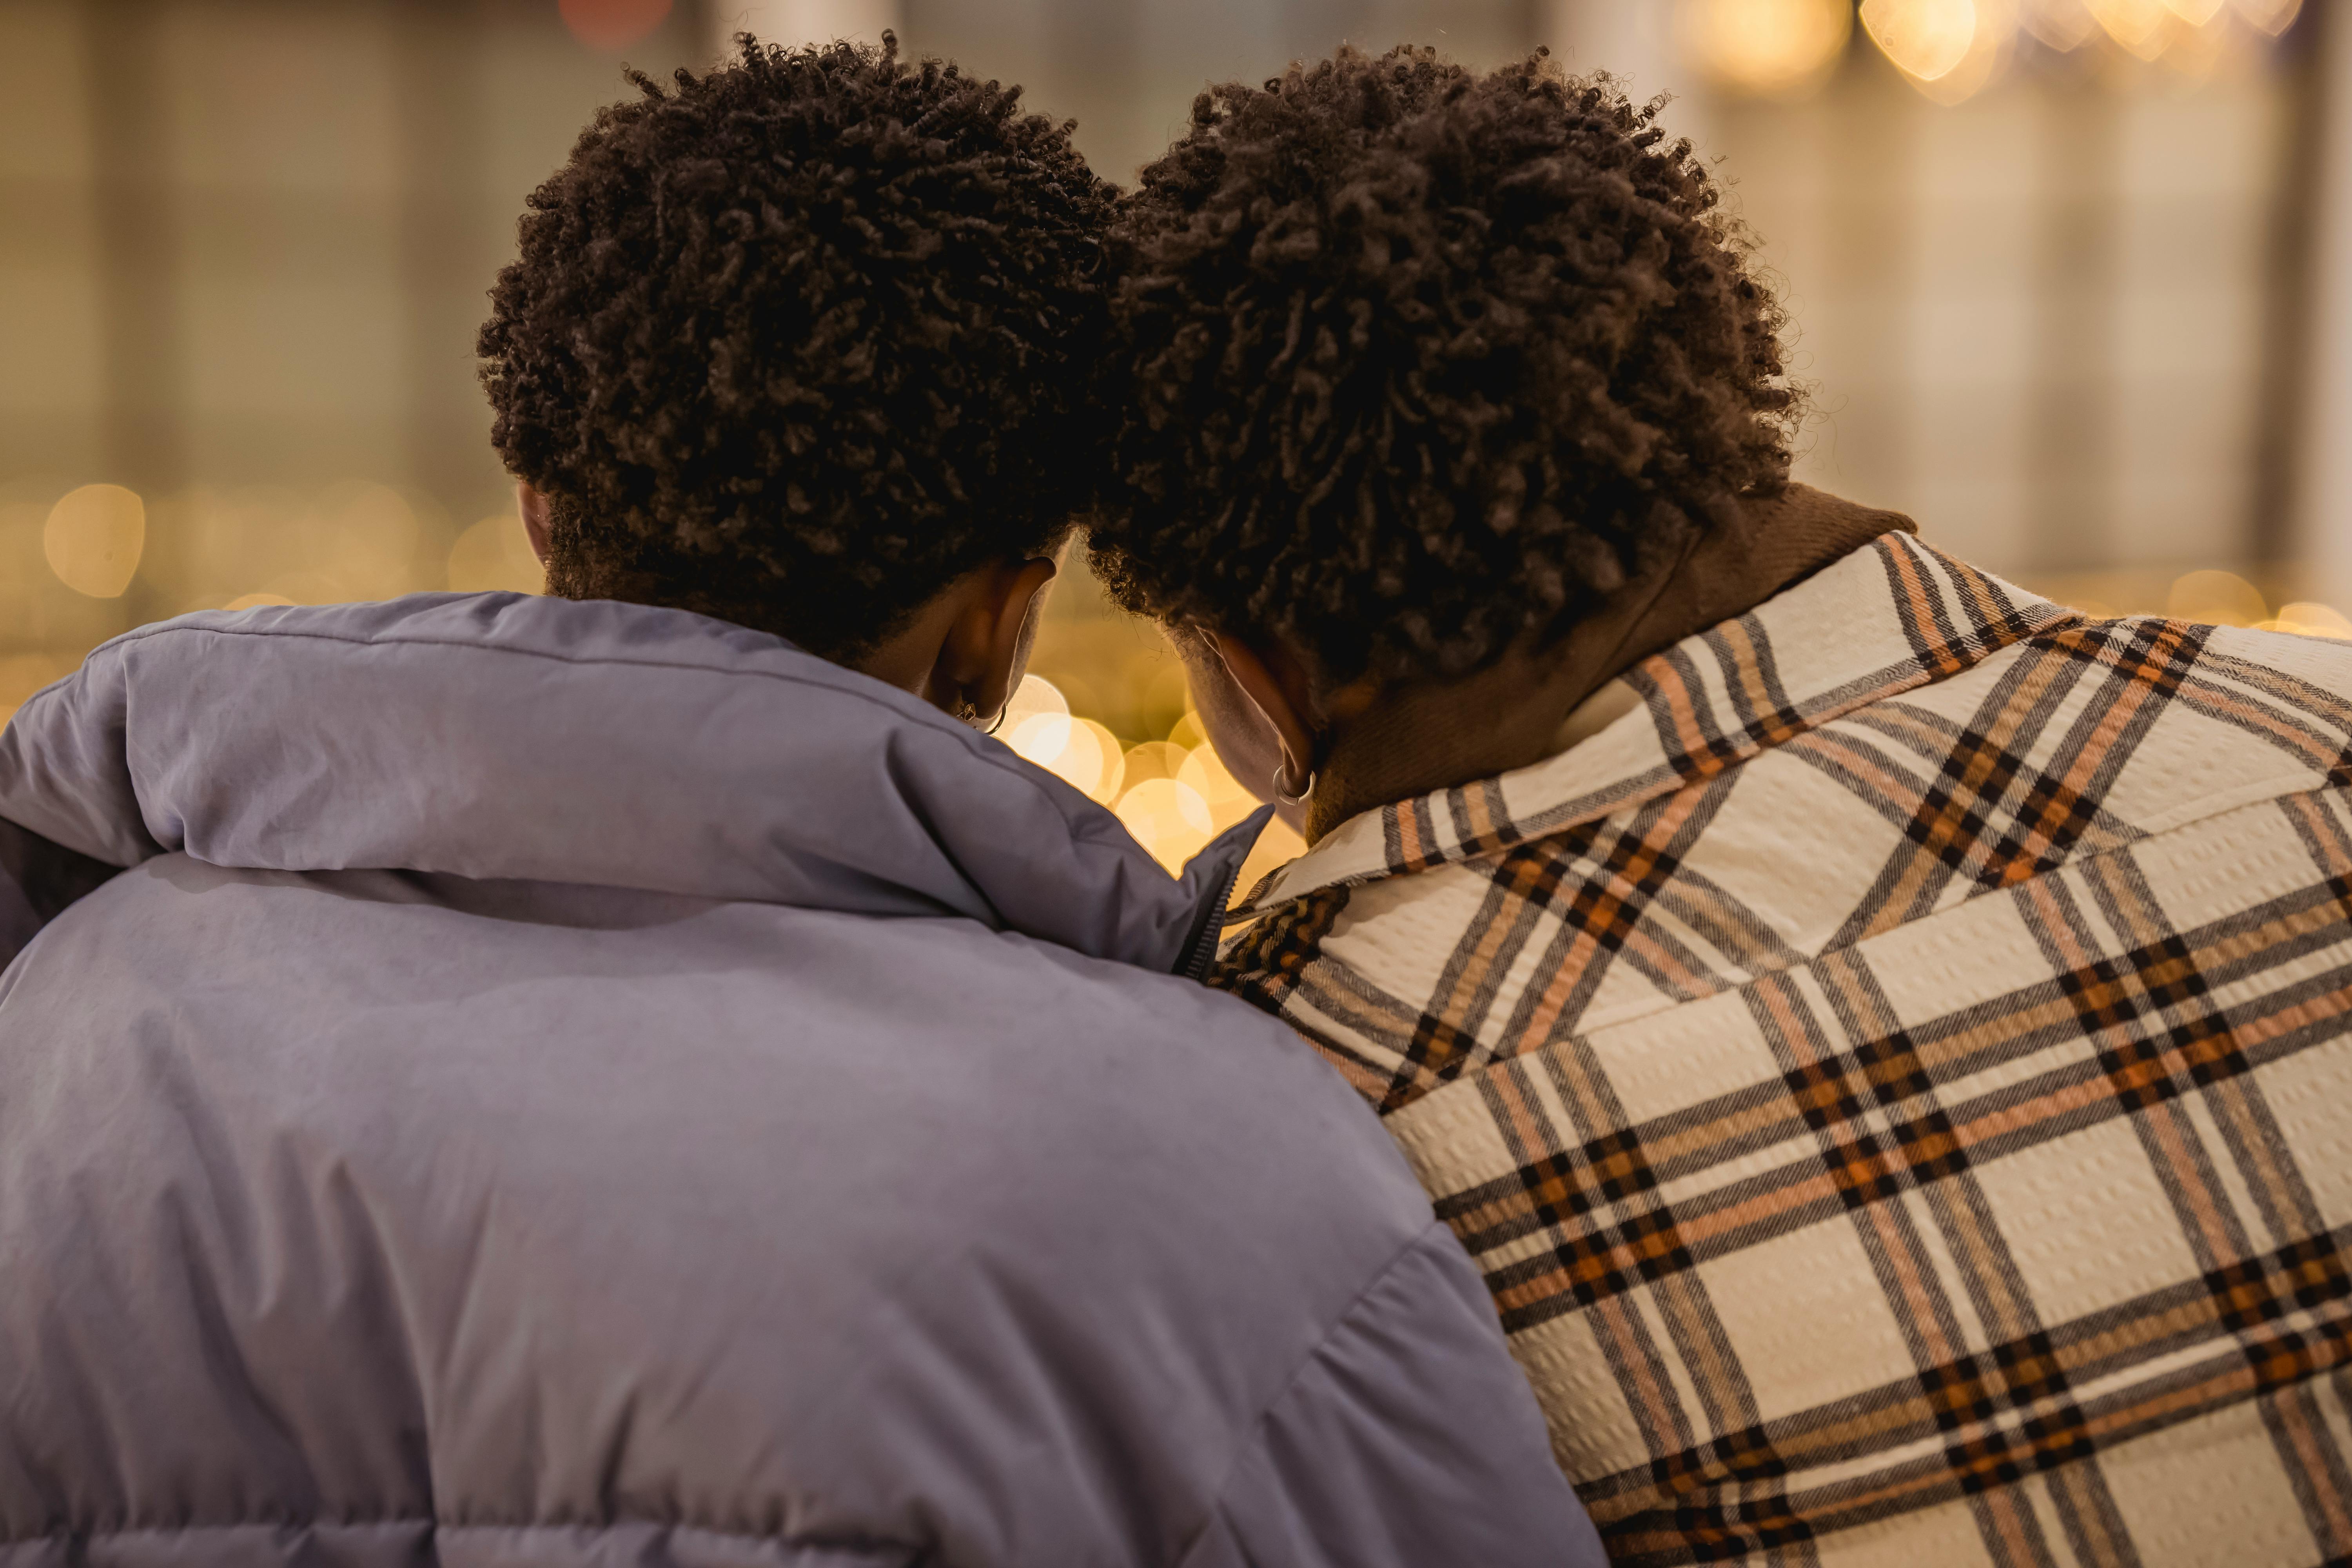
1285, 796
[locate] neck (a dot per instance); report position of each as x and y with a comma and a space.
1417, 738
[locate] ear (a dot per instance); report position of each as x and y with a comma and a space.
533, 507
1277, 683
986, 648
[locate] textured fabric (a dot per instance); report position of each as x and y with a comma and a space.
569, 1084
1896, 1078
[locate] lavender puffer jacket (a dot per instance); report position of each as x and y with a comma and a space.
492, 1080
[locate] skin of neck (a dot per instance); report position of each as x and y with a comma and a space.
1276, 723
963, 650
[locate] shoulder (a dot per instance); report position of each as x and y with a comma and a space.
1151, 1065
964, 1241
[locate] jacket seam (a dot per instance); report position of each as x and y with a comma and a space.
1081, 823
933, 724
1256, 1439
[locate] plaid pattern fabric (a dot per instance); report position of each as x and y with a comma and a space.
1896, 1078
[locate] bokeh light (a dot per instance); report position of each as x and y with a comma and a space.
23, 674
1771, 48
350, 541
1082, 752
2305, 618
1203, 772
2270, 16
1039, 699
1105, 761
94, 538
1924, 38
610, 25
2064, 25
1951, 50
371, 535
494, 555
1172, 795
1947, 49
2141, 26
1168, 818
2216, 598
1153, 760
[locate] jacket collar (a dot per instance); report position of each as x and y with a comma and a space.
514, 737
1894, 615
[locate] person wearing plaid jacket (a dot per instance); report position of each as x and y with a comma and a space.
1883, 1036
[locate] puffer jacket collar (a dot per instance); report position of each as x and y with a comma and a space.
510, 736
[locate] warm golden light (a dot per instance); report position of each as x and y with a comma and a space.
2063, 24
1038, 725
1039, 737
1039, 699
1950, 49
2139, 26
1082, 753
1278, 847
494, 555
1767, 47
2218, 598
94, 538
23, 674
1153, 760
2306, 618
612, 25
1924, 38
369, 532
1167, 817
257, 601
2272, 17
1112, 769
1204, 774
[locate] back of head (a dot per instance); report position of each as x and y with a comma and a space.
800, 340
1419, 362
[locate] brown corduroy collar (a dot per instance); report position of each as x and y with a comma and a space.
1427, 736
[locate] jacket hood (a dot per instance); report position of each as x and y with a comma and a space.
515, 737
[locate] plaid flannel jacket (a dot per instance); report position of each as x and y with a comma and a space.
1896, 1078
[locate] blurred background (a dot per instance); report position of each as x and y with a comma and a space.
2070, 282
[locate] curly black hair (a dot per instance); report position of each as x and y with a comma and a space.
800, 342
1416, 361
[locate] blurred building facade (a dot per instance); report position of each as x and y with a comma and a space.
2063, 275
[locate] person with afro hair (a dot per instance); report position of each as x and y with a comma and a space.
1428, 381
635, 1073
805, 345
1785, 953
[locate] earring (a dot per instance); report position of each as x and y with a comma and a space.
967, 714
1281, 774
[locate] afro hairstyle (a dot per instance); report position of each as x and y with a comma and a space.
1415, 362
800, 340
